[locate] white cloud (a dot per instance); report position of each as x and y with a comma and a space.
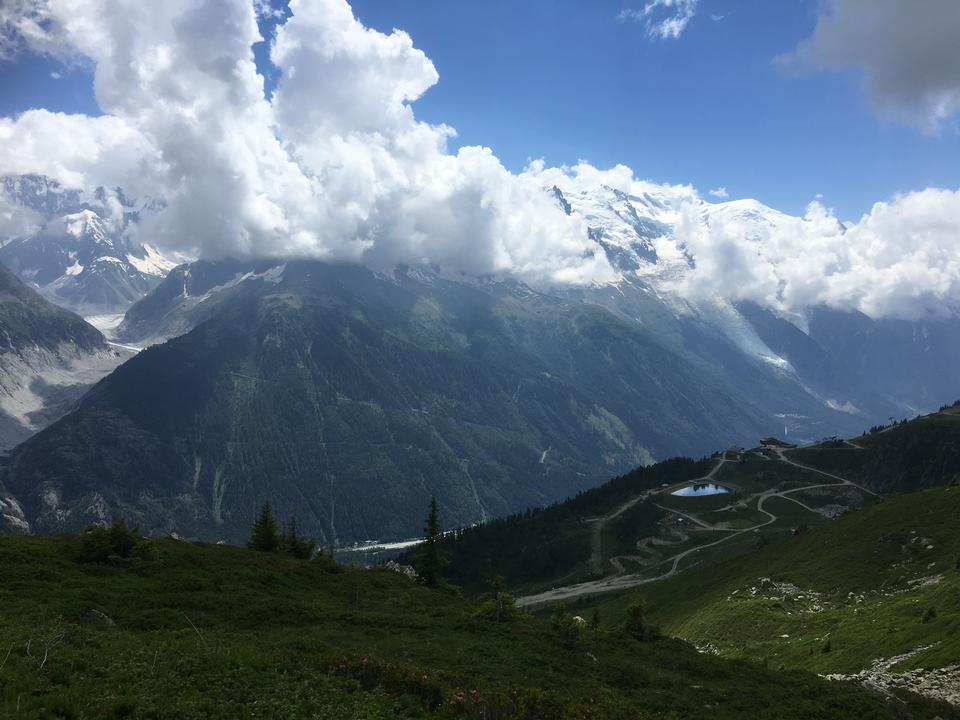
906, 50
78, 151
720, 192
900, 260
334, 166
27, 24
663, 19
265, 9
16, 220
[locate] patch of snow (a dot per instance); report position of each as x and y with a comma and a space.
153, 264
105, 323
847, 407
74, 269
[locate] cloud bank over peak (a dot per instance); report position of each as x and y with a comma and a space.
334, 166
900, 260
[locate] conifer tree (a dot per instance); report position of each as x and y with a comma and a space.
294, 544
430, 557
264, 536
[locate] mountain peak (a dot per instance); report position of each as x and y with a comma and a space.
84, 256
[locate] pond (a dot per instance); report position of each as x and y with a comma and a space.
701, 490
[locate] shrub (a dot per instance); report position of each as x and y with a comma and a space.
324, 559
497, 605
566, 627
118, 542
294, 544
393, 678
636, 625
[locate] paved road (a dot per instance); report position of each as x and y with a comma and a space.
624, 580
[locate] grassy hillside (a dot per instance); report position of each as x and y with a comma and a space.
197, 631
553, 544
897, 458
880, 583
632, 530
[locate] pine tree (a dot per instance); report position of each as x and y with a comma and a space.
430, 556
264, 536
295, 545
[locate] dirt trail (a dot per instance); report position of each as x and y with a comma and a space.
596, 553
623, 580
842, 481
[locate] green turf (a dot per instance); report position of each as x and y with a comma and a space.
866, 581
220, 632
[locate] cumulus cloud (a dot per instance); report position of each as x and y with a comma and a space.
900, 260
906, 50
78, 151
663, 19
720, 192
334, 166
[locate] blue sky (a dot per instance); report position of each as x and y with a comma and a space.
566, 80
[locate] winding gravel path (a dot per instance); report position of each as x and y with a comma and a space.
623, 580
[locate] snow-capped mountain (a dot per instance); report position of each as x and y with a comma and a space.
78, 250
297, 378
835, 356
870, 368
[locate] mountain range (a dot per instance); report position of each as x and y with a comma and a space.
349, 395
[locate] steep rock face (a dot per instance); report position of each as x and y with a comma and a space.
348, 398
79, 252
48, 358
12, 519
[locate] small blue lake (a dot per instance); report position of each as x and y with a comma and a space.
701, 490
